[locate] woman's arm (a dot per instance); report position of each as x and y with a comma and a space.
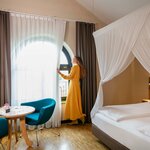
69, 76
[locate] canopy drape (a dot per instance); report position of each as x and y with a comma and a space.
142, 47
118, 43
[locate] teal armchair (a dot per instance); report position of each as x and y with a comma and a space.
44, 109
3, 129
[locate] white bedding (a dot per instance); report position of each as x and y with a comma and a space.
145, 130
128, 111
127, 132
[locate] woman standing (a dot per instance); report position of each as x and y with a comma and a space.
73, 110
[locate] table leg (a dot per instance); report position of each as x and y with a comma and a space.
24, 131
15, 127
9, 133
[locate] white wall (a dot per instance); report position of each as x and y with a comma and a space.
67, 9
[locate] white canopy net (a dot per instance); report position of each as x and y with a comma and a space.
118, 43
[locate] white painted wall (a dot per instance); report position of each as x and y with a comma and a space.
111, 10
66, 9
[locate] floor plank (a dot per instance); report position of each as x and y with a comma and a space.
72, 137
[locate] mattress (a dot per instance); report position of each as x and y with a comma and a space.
126, 132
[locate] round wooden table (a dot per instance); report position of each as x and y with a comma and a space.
17, 112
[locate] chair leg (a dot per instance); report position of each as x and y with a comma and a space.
56, 133
37, 140
2, 145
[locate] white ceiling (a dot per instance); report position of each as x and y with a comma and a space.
111, 10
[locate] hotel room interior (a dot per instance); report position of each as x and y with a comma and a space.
111, 37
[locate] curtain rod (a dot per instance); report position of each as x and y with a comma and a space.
54, 17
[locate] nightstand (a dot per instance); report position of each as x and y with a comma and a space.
145, 100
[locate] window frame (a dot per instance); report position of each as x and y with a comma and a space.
65, 67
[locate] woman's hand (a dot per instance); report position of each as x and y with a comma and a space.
58, 71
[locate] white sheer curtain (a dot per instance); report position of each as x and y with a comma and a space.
114, 45
142, 48
36, 44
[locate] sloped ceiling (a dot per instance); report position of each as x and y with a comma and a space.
111, 10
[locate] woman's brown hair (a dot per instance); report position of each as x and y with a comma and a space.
82, 67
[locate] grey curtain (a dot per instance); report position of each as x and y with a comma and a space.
5, 61
85, 48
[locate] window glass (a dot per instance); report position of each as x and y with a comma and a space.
63, 58
36, 56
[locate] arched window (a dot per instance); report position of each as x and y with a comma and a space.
35, 59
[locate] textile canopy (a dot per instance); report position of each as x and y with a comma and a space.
118, 43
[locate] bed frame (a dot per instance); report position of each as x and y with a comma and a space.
107, 140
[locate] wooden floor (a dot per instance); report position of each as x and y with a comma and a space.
72, 137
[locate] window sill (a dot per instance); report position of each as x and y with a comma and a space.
63, 102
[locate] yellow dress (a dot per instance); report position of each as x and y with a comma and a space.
73, 108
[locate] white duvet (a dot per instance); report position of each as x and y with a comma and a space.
145, 130
128, 111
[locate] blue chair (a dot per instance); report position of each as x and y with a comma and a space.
44, 109
3, 129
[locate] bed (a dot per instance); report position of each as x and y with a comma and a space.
123, 127
117, 44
